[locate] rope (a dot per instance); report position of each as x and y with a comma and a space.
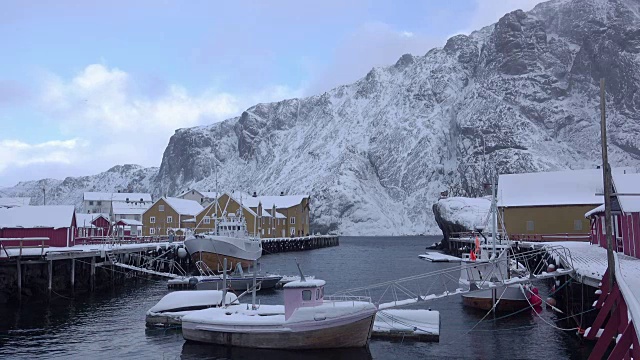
543, 319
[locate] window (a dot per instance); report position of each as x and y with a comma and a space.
292, 221
160, 207
577, 224
90, 202
262, 231
317, 294
269, 231
152, 231
292, 231
152, 219
99, 203
169, 219
306, 295
137, 217
207, 220
530, 226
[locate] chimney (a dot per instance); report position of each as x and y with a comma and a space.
254, 194
281, 193
118, 191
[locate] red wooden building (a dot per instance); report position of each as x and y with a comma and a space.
56, 222
90, 225
625, 212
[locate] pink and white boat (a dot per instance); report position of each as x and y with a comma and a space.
308, 320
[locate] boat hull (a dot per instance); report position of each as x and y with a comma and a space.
349, 335
213, 250
512, 299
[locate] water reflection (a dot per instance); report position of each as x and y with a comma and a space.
191, 350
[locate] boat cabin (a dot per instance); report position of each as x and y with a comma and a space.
303, 293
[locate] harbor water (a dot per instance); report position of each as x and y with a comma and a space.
110, 324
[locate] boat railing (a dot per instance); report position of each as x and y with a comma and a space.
347, 298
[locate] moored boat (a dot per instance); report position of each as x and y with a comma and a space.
229, 240
308, 320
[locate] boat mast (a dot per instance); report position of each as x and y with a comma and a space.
606, 174
253, 293
493, 214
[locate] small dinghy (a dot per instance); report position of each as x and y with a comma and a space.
308, 320
173, 306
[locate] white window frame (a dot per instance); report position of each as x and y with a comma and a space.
531, 226
207, 220
169, 219
292, 231
292, 221
577, 225
152, 220
152, 231
160, 207
269, 231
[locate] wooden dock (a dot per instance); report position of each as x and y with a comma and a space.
277, 245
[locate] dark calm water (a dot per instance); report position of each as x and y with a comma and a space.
111, 325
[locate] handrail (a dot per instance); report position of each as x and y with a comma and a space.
21, 240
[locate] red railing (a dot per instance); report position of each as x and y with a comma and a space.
550, 237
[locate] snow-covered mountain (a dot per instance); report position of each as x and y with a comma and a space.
374, 155
132, 178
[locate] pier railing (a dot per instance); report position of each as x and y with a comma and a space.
22, 244
550, 237
98, 240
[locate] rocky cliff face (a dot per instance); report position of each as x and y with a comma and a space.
521, 95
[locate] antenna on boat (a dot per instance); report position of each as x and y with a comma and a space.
300, 270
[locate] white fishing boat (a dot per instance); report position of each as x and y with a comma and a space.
307, 320
230, 240
485, 271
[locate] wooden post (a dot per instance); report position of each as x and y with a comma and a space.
93, 273
73, 274
50, 265
19, 278
606, 174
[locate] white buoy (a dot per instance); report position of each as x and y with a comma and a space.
182, 253
551, 268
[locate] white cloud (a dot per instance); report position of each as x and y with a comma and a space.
111, 122
371, 45
18, 153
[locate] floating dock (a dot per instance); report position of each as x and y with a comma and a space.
277, 245
439, 257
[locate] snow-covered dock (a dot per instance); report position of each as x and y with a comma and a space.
417, 325
439, 257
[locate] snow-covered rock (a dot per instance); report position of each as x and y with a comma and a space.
375, 155
461, 214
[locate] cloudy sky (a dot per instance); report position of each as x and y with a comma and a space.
88, 85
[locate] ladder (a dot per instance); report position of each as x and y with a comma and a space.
204, 269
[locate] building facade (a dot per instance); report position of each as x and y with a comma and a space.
205, 198
100, 202
170, 215
548, 206
56, 222
625, 216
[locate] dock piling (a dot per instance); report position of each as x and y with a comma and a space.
19, 278
50, 267
93, 273
73, 274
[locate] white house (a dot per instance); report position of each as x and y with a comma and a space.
100, 202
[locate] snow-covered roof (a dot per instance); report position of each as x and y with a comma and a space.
244, 199
130, 222
304, 284
50, 216
129, 208
569, 187
596, 210
85, 220
117, 196
14, 201
183, 206
210, 194
281, 202
627, 184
